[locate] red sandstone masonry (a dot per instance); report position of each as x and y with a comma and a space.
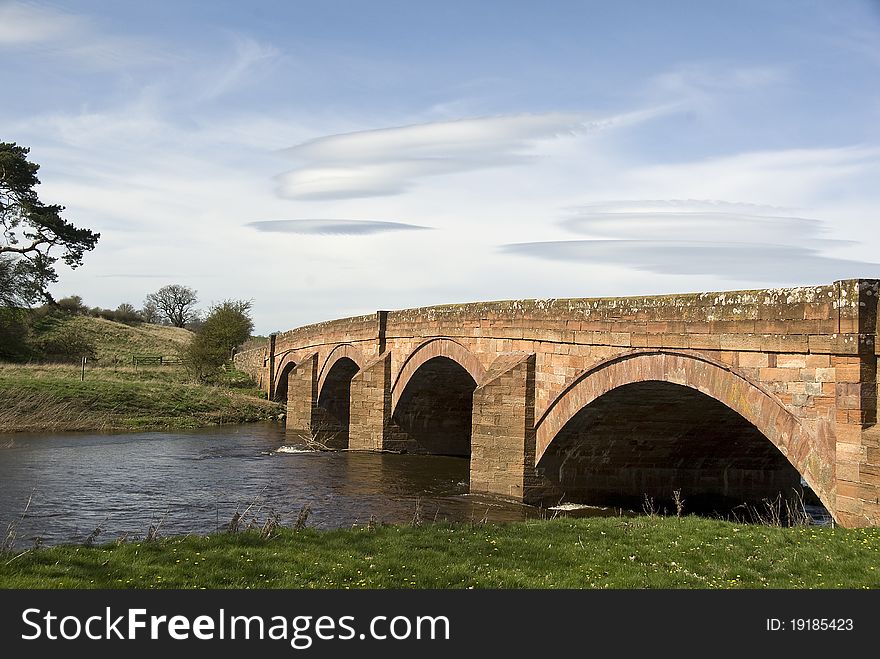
503, 439
302, 395
813, 350
371, 405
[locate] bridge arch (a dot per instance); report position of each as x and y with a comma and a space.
343, 351
646, 372
334, 393
427, 350
283, 369
432, 399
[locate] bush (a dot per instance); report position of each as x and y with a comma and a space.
64, 342
14, 333
126, 313
72, 305
226, 327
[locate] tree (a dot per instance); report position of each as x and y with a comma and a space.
227, 325
174, 302
126, 313
72, 305
35, 235
150, 313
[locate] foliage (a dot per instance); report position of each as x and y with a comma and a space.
72, 305
150, 312
17, 285
65, 342
227, 325
126, 313
175, 303
31, 231
14, 333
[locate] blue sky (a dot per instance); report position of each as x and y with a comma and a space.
334, 158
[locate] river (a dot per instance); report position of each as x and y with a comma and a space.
195, 481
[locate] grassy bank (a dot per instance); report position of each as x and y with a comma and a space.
51, 398
648, 552
116, 395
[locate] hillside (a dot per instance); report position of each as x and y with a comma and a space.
116, 342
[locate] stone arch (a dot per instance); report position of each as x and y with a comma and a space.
282, 370
424, 352
342, 351
332, 415
714, 379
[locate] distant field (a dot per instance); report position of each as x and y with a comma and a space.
117, 396
52, 398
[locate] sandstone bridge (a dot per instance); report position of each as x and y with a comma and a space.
728, 397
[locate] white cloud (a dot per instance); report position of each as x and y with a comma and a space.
698, 220
332, 227
74, 40
700, 237
388, 161
749, 262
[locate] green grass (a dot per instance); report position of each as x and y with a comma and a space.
52, 398
647, 552
117, 343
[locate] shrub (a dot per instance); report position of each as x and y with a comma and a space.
227, 325
72, 305
65, 342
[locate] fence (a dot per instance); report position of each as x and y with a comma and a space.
157, 360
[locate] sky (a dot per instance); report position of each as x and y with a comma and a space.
328, 159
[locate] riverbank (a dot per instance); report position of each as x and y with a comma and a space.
614, 552
55, 397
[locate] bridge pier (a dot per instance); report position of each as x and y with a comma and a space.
302, 395
370, 418
503, 430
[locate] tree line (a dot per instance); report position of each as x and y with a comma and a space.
173, 305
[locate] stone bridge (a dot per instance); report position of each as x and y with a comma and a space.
728, 397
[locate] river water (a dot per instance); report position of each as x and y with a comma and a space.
195, 481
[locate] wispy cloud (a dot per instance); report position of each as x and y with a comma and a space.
248, 55
703, 77
699, 220
696, 237
26, 23
333, 227
388, 161
71, 38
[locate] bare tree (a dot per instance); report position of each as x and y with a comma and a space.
174, 302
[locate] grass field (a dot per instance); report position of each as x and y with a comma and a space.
613, 552
117, 396
52, 398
